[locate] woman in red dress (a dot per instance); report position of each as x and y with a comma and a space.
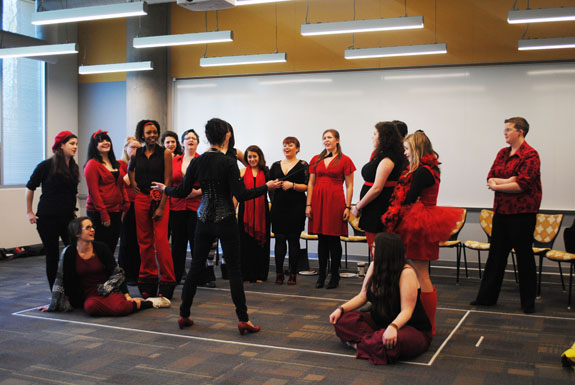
414, 215
328, 207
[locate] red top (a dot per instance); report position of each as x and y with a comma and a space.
328, 197
129, 189
181, 204
106, 193
525, 165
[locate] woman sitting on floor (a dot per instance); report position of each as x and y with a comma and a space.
397, 326
89, 277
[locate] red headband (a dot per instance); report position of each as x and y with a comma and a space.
98, 132
149, 124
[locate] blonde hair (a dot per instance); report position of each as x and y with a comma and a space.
129, 139
419, 145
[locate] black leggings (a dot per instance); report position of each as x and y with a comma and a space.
51, 229
109, 235
206, 233
280, 250
329, 245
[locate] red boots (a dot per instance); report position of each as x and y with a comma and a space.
429, 302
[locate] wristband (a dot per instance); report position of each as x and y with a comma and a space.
394, 325
308, 205
342, 310
348, 207
293, 186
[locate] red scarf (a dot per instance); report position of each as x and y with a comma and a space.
255, 209
393, 214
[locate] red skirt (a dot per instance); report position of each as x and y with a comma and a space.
422, 228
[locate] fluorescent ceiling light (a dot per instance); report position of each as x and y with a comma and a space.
293, 81
116, 67
430, 76
551, 43
250, 2
39, 50
409, 50
244, 59
71, 15
541, 15
183, 39
552, 72
362, 26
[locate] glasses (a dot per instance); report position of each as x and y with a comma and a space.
89, 227
505, 131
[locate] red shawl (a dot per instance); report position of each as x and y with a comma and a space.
255, 209
393, 214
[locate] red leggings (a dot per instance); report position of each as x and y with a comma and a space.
358, 327
370, 238
114, 304
153, 241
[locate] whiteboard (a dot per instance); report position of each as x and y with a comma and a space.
461, 109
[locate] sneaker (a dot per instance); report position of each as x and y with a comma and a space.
159, 302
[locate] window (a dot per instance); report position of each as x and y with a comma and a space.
22, 126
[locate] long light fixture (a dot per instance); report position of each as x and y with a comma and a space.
409, 50
39, 50
71, 15
251, 2
183, 39
355, 26
243, 59
116, 67
541, 15
551, 43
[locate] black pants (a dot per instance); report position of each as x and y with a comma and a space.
206, 233
510, 231
108, 235
329, 246
183, 225
280, 250
51, 229
129, 251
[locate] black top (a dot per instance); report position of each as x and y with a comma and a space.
219, 179
422, 179
418, 320
58, 191
288, 207
370, 219
73, 287
150, 169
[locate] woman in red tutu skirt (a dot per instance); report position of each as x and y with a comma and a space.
414, 215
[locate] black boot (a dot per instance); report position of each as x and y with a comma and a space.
148, 287
333, 282
210, 277
320, 282
167, 289
224, 268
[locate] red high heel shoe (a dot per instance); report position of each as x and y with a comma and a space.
246, 327
184, 322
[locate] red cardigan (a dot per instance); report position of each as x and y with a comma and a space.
106, 194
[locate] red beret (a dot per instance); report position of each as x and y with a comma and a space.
61, 138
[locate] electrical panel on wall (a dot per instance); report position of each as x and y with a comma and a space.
206, 5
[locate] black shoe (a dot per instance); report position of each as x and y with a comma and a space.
529, 309
210, 284
320, 282
332, 284
480, 303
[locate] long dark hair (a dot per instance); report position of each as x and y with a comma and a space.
390, 141
389, 260
216, 130
324, 153
262, 160
93, 152
59, 167
172, 134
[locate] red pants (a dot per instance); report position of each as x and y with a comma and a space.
358, 327
114, 304
153, 240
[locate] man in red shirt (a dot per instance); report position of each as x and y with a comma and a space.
515, 177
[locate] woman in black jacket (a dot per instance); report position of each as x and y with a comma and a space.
88, 277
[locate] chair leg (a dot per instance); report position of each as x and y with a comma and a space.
465, 261
458, 253
514, 267
345, 243
570, 284
479, 261
561, 275
540, 269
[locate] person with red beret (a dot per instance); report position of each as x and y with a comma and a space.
59, 177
